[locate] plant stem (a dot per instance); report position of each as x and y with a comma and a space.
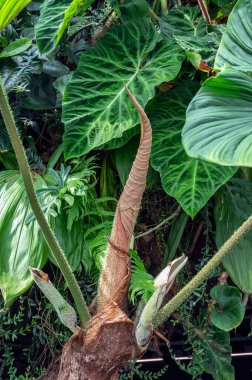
204, 11
155, 5
164, 7
153, 15
46, 230
203, 274
172, 216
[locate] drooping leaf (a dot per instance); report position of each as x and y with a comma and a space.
232, 207
54, 18
66, 312
16, 47
229, 311
218, 120
236, 44
216, 363
191, 181
9, 9
96, 107
21, 245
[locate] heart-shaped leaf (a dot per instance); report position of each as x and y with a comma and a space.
218, 120
191, 181
21, 245
96, 107
229, 311
236, 44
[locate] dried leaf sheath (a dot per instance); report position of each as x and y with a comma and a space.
115, 274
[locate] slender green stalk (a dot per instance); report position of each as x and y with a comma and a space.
47, 232
153, 15
155, 5
203, 274
164, 7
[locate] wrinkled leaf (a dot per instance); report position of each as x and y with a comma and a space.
16, 47
236, 44
192, 182
21, 245
54, 18
229, 311
96, 107
218, 120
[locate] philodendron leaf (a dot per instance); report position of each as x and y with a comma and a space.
163, 283
191, 181
218, 120
54, 18
236, 45
233, 205
10, 9
66, 312
21, 245
228, 312
96, 107
16, 47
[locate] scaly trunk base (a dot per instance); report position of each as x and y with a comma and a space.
97, 351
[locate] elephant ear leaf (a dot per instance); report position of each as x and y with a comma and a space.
235, 48
66, 312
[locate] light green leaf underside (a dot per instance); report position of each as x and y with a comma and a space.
21, 245
96, 107
192, 182
232, 207
10, 9
16, 47
236, 44
219, 119
229, 311
54, 18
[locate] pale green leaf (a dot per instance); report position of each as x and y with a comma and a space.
96, 107
10, 9
236, 44
218, 120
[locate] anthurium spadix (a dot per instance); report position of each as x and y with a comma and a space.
163, 283
66, 312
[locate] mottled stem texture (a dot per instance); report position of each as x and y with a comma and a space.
203, 274
46, 230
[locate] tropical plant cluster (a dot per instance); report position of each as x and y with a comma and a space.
70, 69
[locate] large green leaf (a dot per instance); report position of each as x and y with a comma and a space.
16, 47
216, 363
192, 182
54, 18
236, 44
10, 9
218, 121
229, 311
233, 206
21, 245
96, 107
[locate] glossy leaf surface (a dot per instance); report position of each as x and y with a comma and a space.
9, 9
